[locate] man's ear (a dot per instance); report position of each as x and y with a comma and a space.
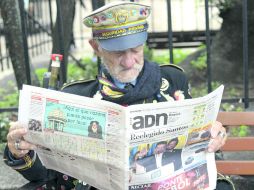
94, 44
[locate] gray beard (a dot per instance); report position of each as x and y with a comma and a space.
113, 75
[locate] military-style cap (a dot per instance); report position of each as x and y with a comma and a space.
119, 25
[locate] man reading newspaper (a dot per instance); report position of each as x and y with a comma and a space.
119, 33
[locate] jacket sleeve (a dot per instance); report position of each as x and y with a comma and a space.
177, 80
186, 87
30, 166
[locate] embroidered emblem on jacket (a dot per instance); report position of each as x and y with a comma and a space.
164, 84
164, 88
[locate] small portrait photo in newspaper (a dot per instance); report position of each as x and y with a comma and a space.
95, 130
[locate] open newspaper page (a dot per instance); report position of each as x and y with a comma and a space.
150, 146
168, 143
81, 137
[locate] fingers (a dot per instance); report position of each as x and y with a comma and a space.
218, 137
24, 145
15, 125
21, 149
216, 127
16, 131
15, 141
16, 134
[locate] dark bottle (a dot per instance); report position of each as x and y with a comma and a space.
55, 69
45, 81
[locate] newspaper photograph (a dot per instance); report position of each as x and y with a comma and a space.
157, 146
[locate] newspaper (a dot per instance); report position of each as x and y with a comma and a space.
156, 146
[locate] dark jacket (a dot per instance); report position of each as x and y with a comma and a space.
173, 80
149, 162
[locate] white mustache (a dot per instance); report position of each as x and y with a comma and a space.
135, 67
115, 73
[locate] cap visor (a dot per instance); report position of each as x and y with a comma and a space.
124, 42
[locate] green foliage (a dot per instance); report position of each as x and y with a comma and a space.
40, 72
181, 54
5, 119
200, 62
4, 126
162, 56
90, 71
9, 100
198, 90
232, 91
201, 89
148, 53
231, 107
241, 131
9, 96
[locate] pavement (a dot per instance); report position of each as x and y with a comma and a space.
9, 178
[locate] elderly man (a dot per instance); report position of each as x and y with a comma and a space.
119, 33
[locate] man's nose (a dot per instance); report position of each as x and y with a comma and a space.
128, 60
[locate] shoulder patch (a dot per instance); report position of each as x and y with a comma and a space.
76, 82
173, 65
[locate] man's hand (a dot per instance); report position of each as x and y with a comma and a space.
218, 137
15, 140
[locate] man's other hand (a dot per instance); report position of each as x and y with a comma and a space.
218, 137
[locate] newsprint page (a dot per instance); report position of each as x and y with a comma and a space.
157, 146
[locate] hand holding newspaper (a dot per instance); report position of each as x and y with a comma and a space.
158, 146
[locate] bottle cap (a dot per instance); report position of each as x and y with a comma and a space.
56, 57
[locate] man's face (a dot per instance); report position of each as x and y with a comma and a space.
94, 127
160, 148
171, 145
124, 66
